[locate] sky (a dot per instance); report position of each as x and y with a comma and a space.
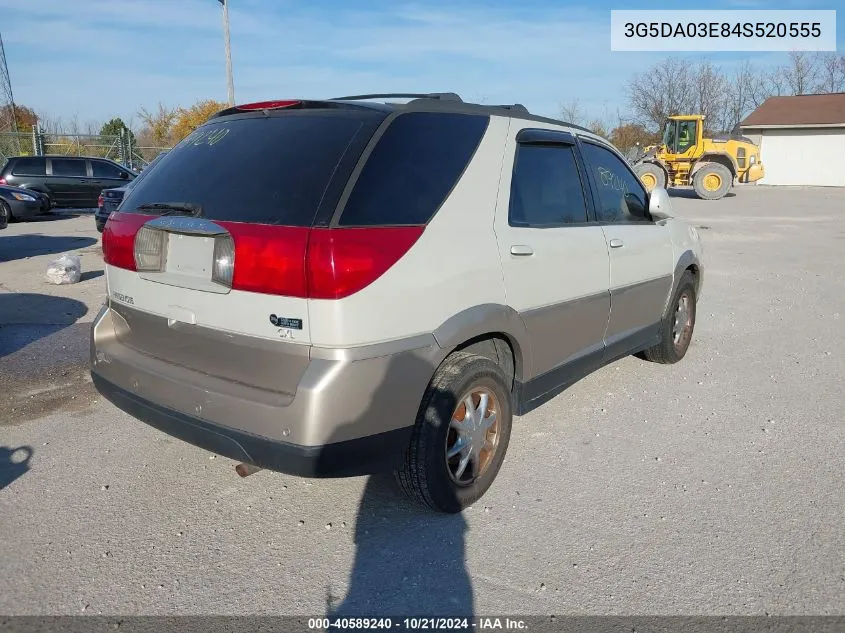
95, 59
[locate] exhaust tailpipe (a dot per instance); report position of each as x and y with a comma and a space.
245, 470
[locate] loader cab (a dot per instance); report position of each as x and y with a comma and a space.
682, 134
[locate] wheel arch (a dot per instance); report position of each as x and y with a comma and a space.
722, 158
493, 331
688, 261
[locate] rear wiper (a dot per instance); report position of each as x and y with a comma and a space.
171, 208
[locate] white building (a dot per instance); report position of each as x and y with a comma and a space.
801, 139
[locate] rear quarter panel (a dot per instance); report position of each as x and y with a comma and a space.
453, 266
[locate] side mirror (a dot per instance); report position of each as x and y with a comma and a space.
659, 204
124, 175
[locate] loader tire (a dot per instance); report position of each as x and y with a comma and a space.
712, 181
651, 175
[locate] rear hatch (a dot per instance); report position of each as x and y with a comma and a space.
206, 257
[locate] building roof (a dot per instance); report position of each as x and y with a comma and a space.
799, 111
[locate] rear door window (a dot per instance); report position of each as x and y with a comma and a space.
68, 167
30, 167
414, 166
546, 188
274, 169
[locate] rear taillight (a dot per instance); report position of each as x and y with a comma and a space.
119, 238
343, 261
268, 259
223, 268
100, 201
314, 263
148, 250
2, 181
319, 263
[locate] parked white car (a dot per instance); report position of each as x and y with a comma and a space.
332, 288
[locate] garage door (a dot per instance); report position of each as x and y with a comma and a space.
804, 157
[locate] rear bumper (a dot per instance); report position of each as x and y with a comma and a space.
351, 458
351, 411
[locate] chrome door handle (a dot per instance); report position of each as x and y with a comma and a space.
614, 243
521, 249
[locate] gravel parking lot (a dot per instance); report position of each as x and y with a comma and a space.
710, 487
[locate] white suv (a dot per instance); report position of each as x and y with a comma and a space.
333, 288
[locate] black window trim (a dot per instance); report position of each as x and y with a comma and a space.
541, 136
594, 187
334, 222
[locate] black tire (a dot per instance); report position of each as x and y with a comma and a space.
426, 475
7, 211
648, 171
704, 178
668, 351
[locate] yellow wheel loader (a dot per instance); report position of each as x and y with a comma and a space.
684, 157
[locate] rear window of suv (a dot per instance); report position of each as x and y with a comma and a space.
414, 166
272, 169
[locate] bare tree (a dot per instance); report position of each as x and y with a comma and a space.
571, 111
661, 90
800, 73
708, 92
831, 72
739, 96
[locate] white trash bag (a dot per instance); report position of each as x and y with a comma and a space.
67, 269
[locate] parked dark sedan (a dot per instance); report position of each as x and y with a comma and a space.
110, 199
20, 204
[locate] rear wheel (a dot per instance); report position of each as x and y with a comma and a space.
651, 175
461, 434
712, 181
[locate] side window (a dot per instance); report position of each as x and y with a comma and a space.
69, 167
413, 167
546, 187
686, 136
621, 196
102, 169
30, 167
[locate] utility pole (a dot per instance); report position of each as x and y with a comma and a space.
8, 116
229, 78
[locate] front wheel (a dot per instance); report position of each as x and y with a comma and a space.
461, 434
6, 211
677, 326
652, 176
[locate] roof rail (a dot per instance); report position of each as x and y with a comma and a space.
517, 107
443, 96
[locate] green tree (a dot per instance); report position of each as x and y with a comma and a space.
114, 127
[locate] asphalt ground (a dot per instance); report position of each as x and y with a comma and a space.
714, 486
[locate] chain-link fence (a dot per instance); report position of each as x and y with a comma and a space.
119, 148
